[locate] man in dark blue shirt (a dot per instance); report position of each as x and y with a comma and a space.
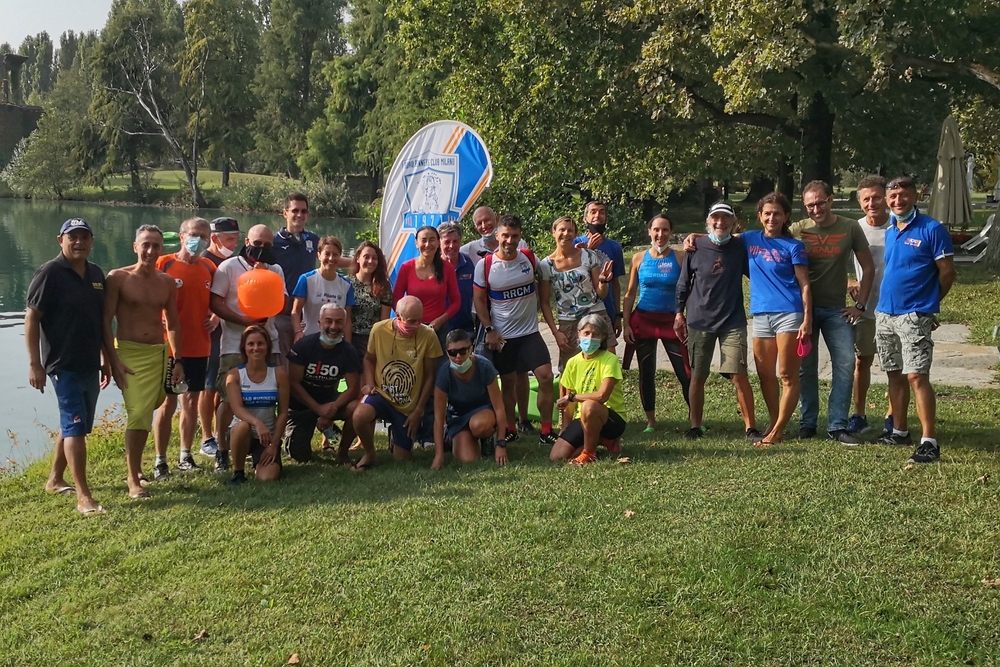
919, 272
63, 327
295, 252
465, 268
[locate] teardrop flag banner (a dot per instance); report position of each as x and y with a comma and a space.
436, 178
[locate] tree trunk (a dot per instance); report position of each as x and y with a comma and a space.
817, 141
992, 257
225, 173
786, 178
759, 186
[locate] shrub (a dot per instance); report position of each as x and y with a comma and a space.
265, 194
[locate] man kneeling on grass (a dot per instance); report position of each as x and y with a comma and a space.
399, 375
316, 365
593, 379
258, 395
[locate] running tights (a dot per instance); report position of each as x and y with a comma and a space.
645, 349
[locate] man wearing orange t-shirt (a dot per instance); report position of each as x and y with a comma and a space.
193, 274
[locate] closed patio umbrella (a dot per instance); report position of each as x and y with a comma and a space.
950, 201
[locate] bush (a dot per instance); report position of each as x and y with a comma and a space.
329, 200
264, 194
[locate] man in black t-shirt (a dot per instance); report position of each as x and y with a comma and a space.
711, 289
63, 327
316, 365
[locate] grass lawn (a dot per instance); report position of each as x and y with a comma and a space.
167, 186
696, 552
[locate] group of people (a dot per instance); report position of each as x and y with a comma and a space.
450, 369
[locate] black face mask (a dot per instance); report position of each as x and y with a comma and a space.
596, 229
254, 254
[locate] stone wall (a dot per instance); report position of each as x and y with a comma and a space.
15, 123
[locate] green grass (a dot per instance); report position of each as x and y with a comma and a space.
706, 552
167, 187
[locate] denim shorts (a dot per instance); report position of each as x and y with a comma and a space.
769, 325
387, 412
77, 397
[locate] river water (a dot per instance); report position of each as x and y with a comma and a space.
27, 240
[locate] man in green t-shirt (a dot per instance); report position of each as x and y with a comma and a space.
830, 239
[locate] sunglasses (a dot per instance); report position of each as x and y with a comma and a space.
458, 352
901, 184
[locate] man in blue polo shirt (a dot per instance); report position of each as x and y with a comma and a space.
595, 216
465, 269
919, 272
295, 252
63, 327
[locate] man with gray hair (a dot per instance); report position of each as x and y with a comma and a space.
465, 268
316, 365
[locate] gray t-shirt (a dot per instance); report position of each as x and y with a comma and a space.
876, 243
711, 285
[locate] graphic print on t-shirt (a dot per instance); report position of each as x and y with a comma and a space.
823, 246
398, 380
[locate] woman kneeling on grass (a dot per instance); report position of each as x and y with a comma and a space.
593, 379
467, 404
258, 395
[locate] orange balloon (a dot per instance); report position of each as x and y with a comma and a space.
260, 293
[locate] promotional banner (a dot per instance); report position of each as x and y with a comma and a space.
437, 177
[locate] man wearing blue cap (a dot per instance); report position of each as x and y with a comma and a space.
63, 328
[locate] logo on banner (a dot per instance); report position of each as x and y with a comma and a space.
430, 183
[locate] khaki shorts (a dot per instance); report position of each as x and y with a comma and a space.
732, 344
904, 342
568, 327
228, 362
864, 337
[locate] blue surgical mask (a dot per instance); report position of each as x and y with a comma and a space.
330, 341
719, 240
488, 237
590, 345
462, 367
196, 245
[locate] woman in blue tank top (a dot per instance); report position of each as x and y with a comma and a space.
258, 395
653, 275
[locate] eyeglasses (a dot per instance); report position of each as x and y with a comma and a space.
819, 204
458, 352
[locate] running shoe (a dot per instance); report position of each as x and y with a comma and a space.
844, 437
510, 436
221, 461
239, 477
926, 452
806, 432
161, 472
526, 428
614, 447
584, 458
753, 435
694, 433
547, 439
896, 440
858, 425
187, 464
488, 446
209, 447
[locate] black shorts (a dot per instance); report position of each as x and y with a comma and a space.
195, 372
299, 432
613, 429
257, 451
525, 353
213, 359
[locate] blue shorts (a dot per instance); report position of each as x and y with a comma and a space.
384, 411
77, 397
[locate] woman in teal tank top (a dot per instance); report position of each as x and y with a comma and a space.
653, 275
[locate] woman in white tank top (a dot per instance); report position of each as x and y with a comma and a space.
258, 395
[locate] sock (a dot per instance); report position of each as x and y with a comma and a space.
896, 431
546, 427
933, 441
161, 459
185, 454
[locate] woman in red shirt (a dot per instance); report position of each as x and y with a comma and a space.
431, 279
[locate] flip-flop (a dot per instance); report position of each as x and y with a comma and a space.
91, 511
764, 443
143, 480
362, 467
141, 495
64, 489
649, 429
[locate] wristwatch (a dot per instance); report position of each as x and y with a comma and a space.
860, 306
488, 329
571, 397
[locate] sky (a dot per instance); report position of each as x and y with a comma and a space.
20, 18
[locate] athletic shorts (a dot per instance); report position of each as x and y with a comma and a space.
299, 432
386, 412
195, 372
257, 451
77, 396
612, 430
864, 337
524, 353
732, 345
904, 342
145, 388
212, 373
769, 325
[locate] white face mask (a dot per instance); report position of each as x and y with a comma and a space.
659, 248
225, 252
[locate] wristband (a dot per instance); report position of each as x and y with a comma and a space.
502, 444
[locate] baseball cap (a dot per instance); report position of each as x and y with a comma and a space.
721, 207
224, 225
75, 223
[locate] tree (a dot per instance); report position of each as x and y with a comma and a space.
376, 101
37, 73
301, 36
228, 32
136, 65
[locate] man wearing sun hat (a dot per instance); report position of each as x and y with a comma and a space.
63, 327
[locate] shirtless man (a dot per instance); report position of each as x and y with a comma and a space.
138, 297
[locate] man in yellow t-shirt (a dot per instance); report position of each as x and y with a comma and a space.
398, 379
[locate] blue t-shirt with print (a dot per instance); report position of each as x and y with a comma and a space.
911, 283
773, 288
609, 250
